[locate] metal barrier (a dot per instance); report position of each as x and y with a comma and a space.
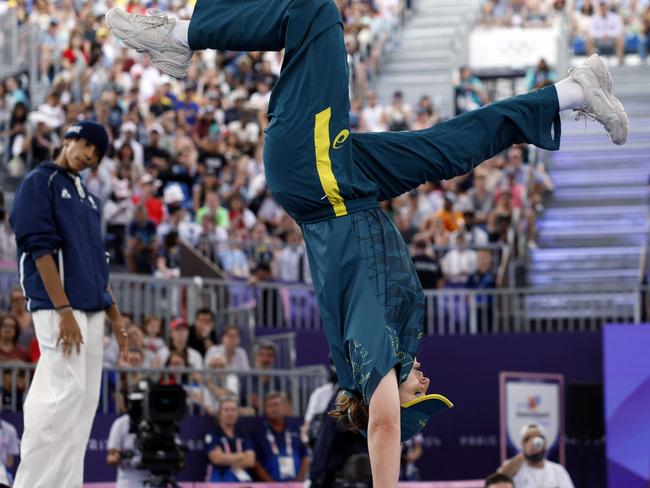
203, 387
448, 311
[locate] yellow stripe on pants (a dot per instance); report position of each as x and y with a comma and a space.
324, 164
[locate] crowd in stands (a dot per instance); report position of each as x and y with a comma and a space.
610, 27
186, 156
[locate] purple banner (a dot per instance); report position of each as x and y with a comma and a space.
627, 405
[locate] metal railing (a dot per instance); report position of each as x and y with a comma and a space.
203, 387
277, 306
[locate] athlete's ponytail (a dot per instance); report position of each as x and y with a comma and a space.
351, 410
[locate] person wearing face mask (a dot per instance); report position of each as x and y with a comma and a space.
530, 468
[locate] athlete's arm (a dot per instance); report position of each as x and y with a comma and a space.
70, 334
384, 433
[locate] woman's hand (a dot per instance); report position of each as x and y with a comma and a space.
69, 333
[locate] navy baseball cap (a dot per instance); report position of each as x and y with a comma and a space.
415, 414
92, 132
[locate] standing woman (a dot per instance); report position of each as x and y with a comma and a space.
64, 275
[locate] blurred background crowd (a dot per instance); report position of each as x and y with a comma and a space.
186, 155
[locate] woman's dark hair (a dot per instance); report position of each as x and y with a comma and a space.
351, 410
497, 478
16, 325
171, 239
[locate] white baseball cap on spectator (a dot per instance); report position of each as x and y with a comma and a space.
128, 126
173, 194
532, 427
147, 179
155, 127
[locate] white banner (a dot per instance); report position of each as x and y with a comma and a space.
532, 398
513, 48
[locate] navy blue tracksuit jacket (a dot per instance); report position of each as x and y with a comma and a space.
53, 213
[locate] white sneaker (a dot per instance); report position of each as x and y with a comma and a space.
600, 104
151, 34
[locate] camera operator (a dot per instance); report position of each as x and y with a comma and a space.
530, 468
122, 454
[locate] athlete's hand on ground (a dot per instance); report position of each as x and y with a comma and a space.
119, 331
69, 333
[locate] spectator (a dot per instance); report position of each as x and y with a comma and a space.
411, 453
644, 34
18, 310
292, 259
479, 198
228, 355
280, 454
318, 406
123, 454
474, 235
154, 154
152, 328
398, 113
264, 359
606, 33
269, 307
261, 246
136, 341
128, 137
426, 265
459, 262
141, 245
214, 209
229, 451
483, 277
373, 114
10, 348
9, 449
470, 93
202, 334
452, 219
499, 480
117, 216
168, 261
130, 378
232, 258
178, 341
539, 77
7, 239
530, 467
146, 195
209, 238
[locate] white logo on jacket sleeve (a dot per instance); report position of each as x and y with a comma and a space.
92, 202
65, 194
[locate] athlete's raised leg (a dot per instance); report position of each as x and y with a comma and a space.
400, 161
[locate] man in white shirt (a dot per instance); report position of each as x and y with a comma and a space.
606, 33
121, 447
530, 468
373, 114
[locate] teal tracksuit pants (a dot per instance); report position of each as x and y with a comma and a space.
330, 180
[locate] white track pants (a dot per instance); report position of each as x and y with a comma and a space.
61, 404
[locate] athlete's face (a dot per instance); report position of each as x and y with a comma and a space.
80, 154
415, 386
